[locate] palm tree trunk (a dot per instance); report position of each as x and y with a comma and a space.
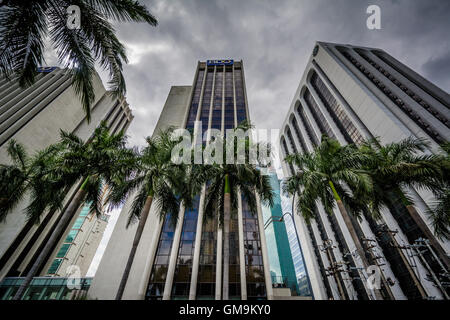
407, 264
433, 242
226, 240
333, 268
54, 238
353, 234
137, 238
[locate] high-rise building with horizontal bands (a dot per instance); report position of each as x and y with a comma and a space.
34, 116
185, 262
351, 94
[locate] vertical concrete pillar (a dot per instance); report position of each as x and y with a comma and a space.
264, 252
311, 265
241, 251
219, 262
174, 255
198, 238
149, 261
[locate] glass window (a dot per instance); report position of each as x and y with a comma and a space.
338, 114
63, 250
321, 121
54, 266
78, 223
71, 236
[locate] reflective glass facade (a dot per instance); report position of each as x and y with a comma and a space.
282, 269
253, 256
183, 271
45, 288
206, 282
159, 271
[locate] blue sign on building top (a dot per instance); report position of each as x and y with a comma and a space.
45, 69
227, 62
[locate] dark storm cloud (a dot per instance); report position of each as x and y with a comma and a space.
275, 39
439, 69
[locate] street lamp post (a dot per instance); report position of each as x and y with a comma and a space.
280, 219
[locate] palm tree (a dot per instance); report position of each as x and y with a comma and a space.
440, 211
156, 180
13, 178
24, 26
398, 166
323, 176
99, 160
225, 181
26, 174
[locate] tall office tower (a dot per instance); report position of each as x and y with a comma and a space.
185, 262
34, 117
351, 94
282, 269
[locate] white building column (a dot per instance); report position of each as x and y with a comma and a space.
311, 264
174, 255
265, 256
149, 261
219, 262
198, 239
241, 251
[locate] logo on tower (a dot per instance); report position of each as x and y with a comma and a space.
228, 62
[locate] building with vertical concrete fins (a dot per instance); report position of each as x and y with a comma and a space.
33, 116
351, 94
185, 262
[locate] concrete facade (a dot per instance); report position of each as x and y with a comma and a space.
34, 117
351, 94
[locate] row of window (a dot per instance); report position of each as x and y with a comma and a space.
346, 126
54, 267
317, 114
419, 84
183, 271
157, 280
442, 118
253, 254
413, 115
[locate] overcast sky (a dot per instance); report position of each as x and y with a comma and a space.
275, 39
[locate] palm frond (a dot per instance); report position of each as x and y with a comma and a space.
137, 206
439, 213
17, 153
23, 28
73, 49
124, 10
